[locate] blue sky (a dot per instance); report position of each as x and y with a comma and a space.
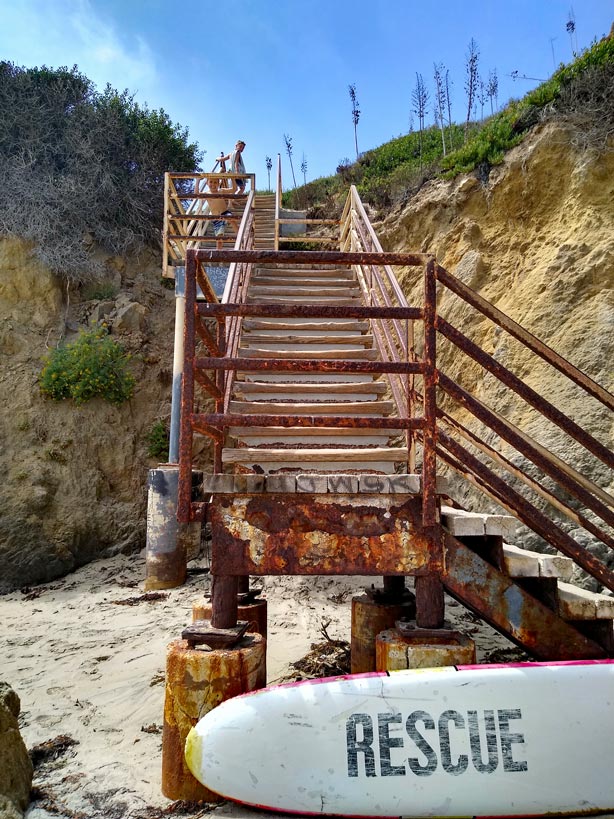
258, 69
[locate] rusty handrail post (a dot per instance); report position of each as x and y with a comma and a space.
222, 376
184, 504
429, 435
429, 588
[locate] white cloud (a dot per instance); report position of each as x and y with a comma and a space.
68, 32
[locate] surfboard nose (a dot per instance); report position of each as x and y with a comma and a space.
194, 753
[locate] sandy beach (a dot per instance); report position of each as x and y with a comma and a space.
86, 655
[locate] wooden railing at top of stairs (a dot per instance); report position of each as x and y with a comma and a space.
187, 217
548, 494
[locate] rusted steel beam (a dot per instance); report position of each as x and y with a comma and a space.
305, 366
309, 257
429, 433
529, 395
207, 384
539, 458
529, 514
430, 601
528, 481
308, 311
184, 493
506, 607
224, 606
207, 339
310, 535
340, 421
205, 285
529, 340
199, 424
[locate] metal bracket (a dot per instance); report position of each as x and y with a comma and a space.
201, 632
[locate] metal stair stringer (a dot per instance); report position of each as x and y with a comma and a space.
509, 609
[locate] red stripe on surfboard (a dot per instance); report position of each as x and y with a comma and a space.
529, 664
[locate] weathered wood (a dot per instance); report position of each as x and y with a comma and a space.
309, 355
365, 408
580, 604
262, 455
324, 389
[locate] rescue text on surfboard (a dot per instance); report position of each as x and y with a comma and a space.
454, 740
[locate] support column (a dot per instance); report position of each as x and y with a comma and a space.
224, 607
430, 603
168, 542
196, 682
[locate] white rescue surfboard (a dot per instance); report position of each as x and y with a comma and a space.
509, 740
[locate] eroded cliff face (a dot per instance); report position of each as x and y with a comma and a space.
74, 477
536, 240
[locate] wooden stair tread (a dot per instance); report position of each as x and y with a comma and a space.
374, 408
322, 354
305, 324
258, 338
579, 604
525, 563
309, 432
370, 387
462, 523
340, 301
308, 454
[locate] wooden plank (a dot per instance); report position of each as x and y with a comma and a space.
248, 454
367, 408
307, 292
354, 355
524, 563
297, 324
579, 604
367, 387
258, 338
297, 432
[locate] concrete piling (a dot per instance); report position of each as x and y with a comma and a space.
197, 680
422, 648
370, 616
169, 543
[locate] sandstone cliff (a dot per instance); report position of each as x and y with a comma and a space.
536, 239
73, 483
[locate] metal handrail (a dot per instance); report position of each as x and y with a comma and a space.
591, 507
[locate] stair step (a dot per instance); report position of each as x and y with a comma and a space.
322, 456
269, 281
579, 604
306, 292
369, 388
337, 300
306, 325
311, 272
524, 563
274, 338
303, 378
375, 409
300, 354
461, 523
296, 436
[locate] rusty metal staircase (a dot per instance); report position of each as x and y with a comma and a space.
333, 417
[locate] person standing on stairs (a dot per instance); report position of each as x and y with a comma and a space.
218, 207
237, 166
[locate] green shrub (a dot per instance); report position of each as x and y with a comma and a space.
93, 365
158, 442
85, 163
102, 291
